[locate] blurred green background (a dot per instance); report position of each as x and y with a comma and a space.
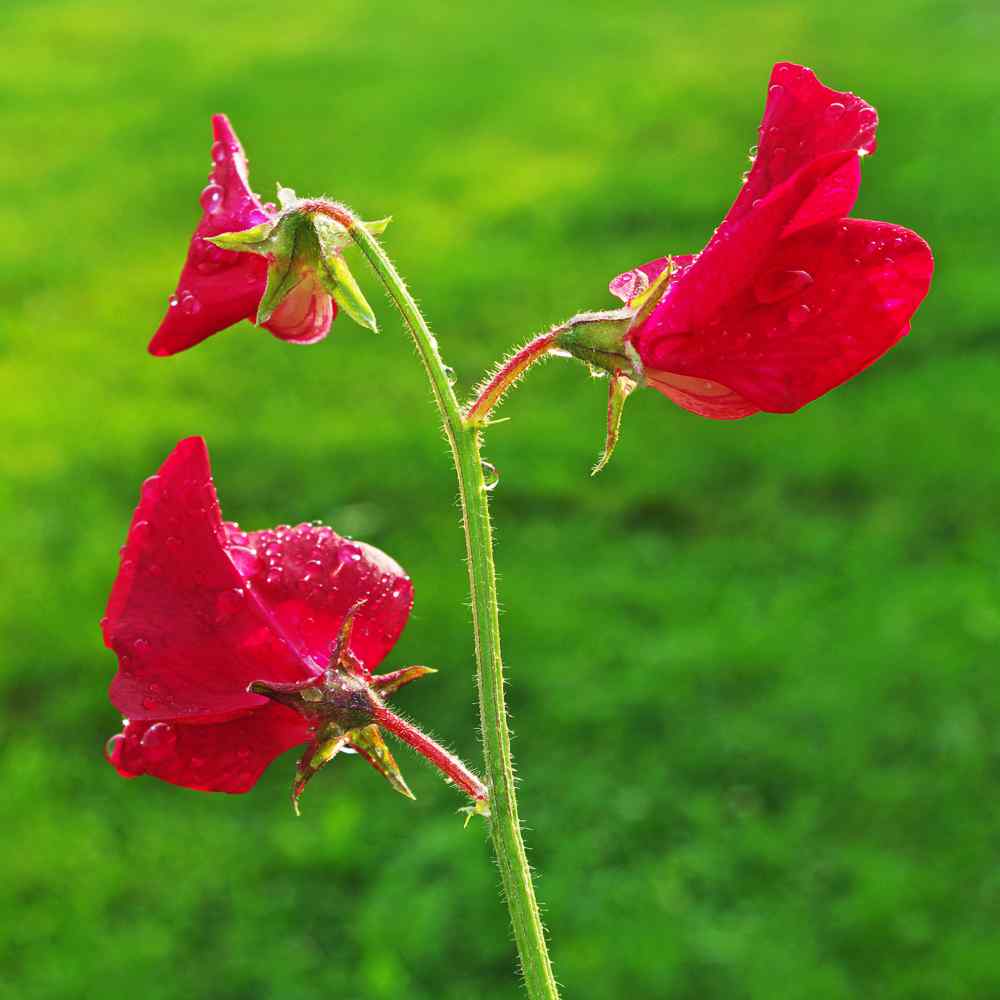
752, 665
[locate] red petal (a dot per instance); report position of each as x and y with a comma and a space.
214, 757
627, 285
305, 316
803, 120
701, 396
739, 249
309, 578
863, 282
189, 635
217, 288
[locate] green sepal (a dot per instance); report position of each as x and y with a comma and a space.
334, 237
299, 243
317, 755
370, 745
389, 684
253, 240
340, 283
378, 227
646, 301
620, 387
598, 338
292, 250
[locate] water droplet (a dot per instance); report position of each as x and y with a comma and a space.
227, 604
491, 477
159, 741
208, 258
244, 559
141, 532
140, 647
834, 112
189, 304
113, 748
148, 704
218, 151
867, 117
773, 286
449, 374
798, 314
172, 301
211, 198
775, 91
151, 489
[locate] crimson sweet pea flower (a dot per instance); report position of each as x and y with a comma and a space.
235, 646
789, 298
219, 287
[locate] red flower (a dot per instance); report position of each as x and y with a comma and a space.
789, 298
217, 287
201, 611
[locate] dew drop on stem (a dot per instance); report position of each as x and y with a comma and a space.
491, 477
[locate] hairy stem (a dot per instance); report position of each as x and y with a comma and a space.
444, 760
464, 438
507, 373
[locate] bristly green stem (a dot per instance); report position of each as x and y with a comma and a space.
464, 438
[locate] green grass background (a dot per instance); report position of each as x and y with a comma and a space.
752, 666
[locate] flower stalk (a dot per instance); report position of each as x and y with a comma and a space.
464, 438
507, 374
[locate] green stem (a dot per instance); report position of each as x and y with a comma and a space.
505, 826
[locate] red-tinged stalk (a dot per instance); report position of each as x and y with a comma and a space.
445, 761
508, 373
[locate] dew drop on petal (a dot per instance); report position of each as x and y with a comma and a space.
112, 749
190, 304
211, 198
227, 604
141, 532
159, 741
151, 488
173, 301
140, 647
218, 151
798, 314
244, 559
834, 112
773, 286
775, 91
